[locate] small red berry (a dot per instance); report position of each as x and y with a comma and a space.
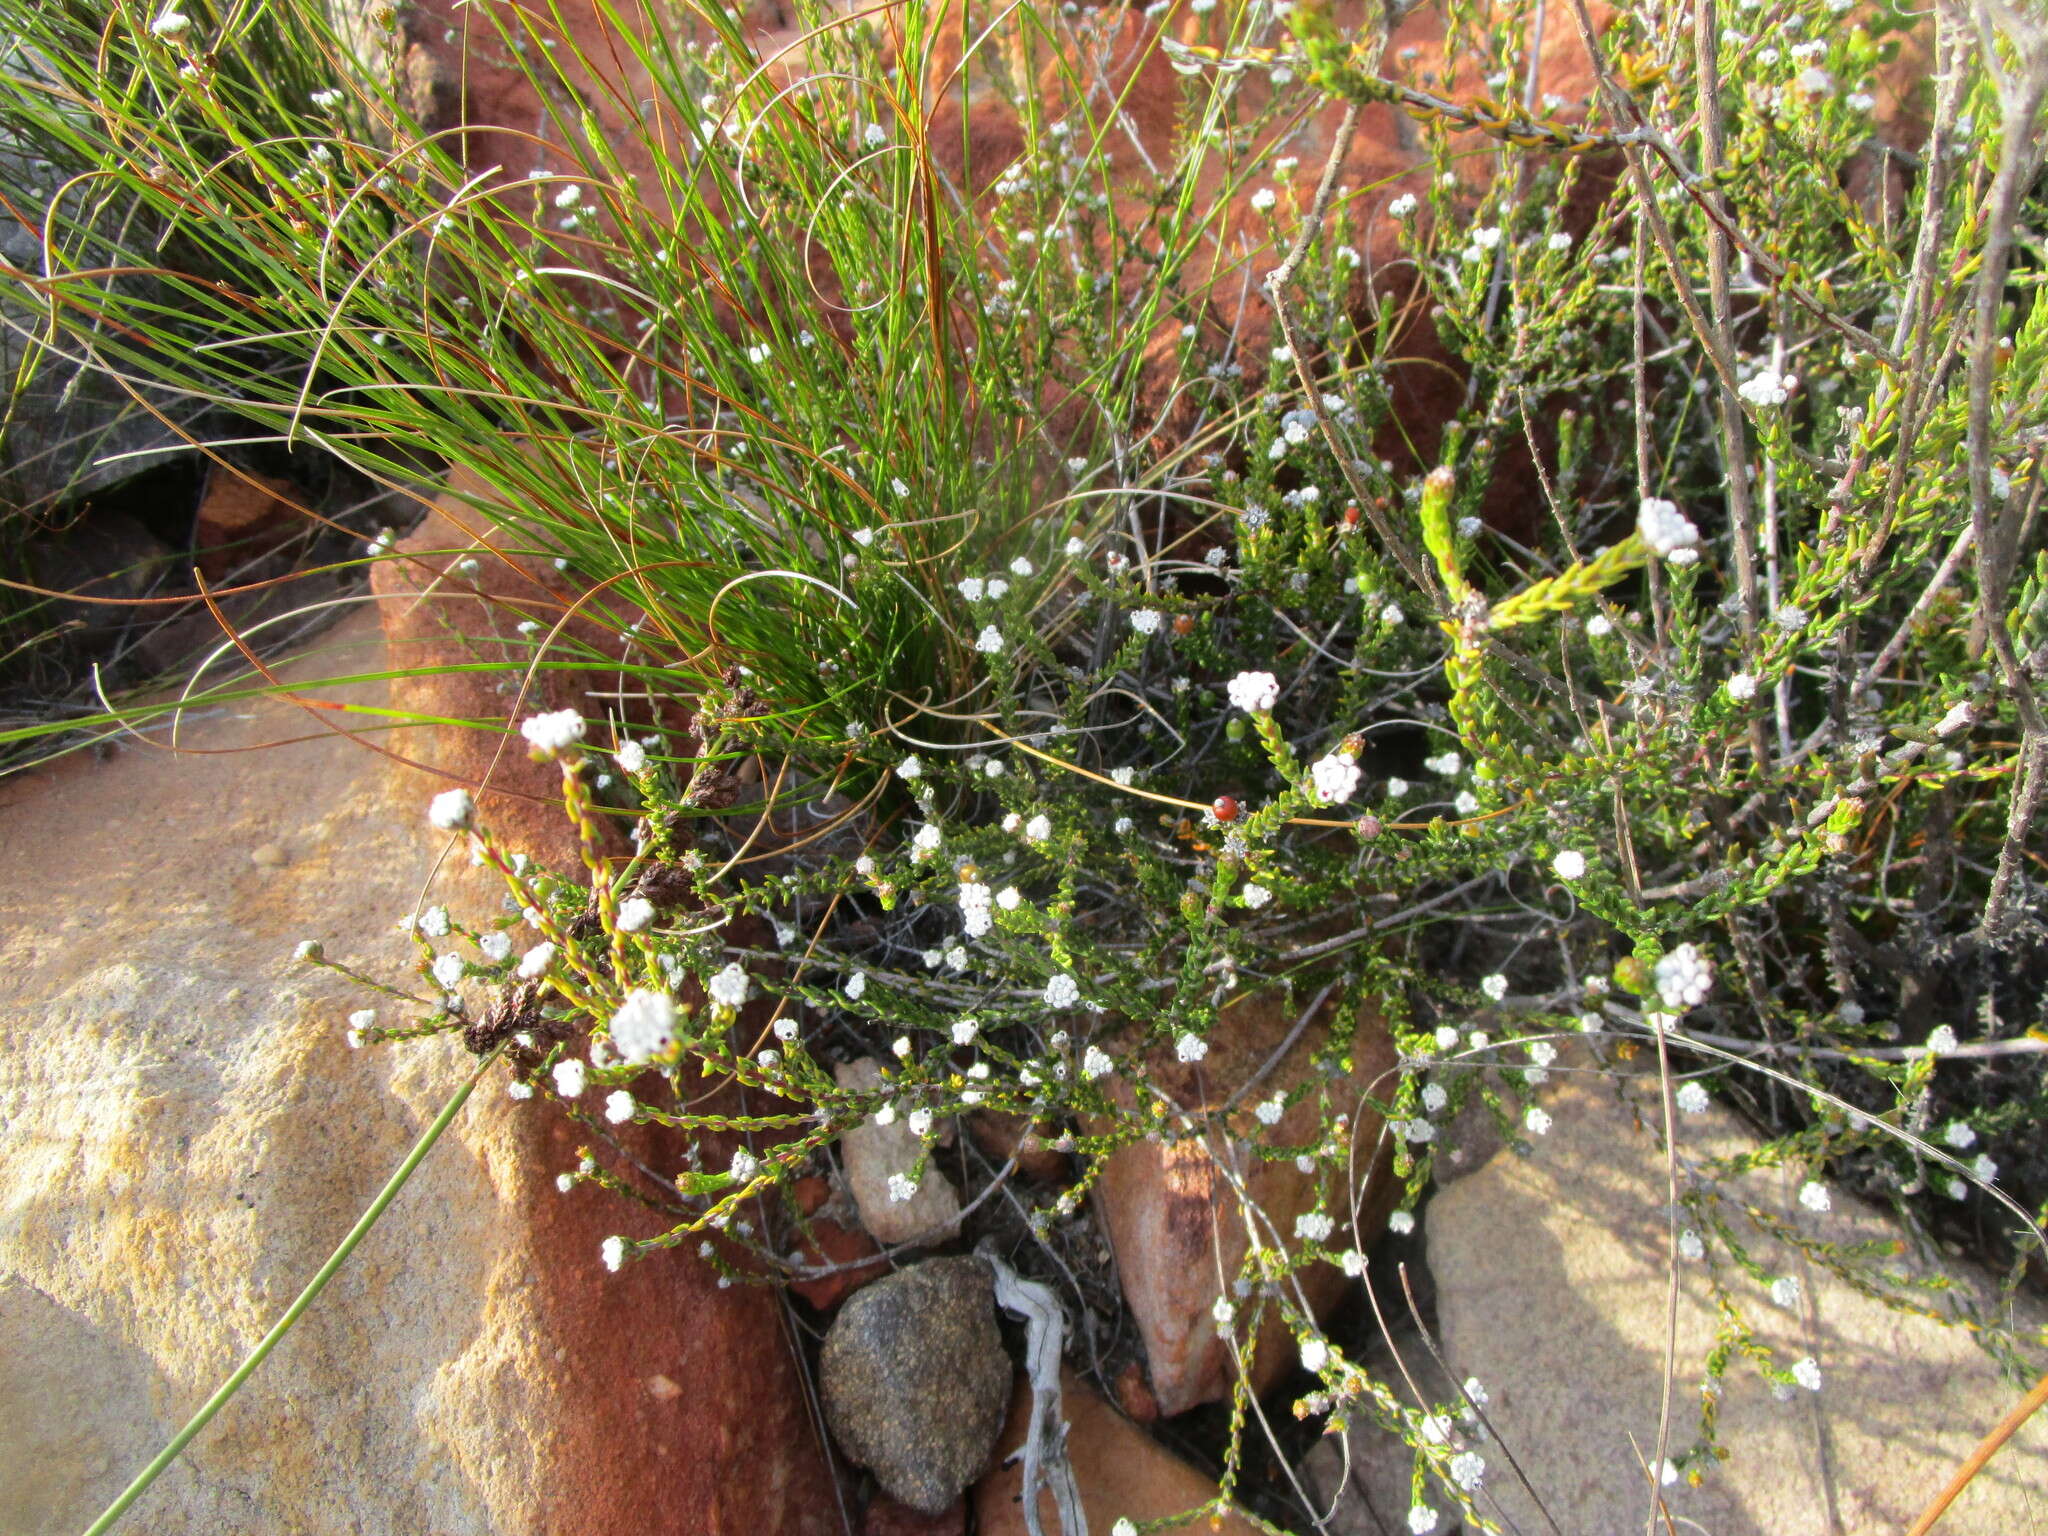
1183, 624
1225, 808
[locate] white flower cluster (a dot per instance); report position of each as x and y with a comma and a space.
975, 914
452, 810
1684, 977
1334, 779
1664, 528
644, 1024
1768, 387
552, 732
730, 987
1254, 692
976, 588
1468, 1470
1062, 991
1314, 1226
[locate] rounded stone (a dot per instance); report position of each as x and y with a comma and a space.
915, 1379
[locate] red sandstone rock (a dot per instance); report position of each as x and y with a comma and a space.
436, 614
734, 1452
1000, 1135
831, 1242
241, 514
1134, 1394
1120, 1471
1386, 158
1176, 1222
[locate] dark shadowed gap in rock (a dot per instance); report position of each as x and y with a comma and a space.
139, 539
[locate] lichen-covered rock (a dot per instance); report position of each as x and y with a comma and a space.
915, 1379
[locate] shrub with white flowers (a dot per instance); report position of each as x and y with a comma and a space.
1657, 708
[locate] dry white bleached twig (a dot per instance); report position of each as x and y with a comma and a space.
1044, 1451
